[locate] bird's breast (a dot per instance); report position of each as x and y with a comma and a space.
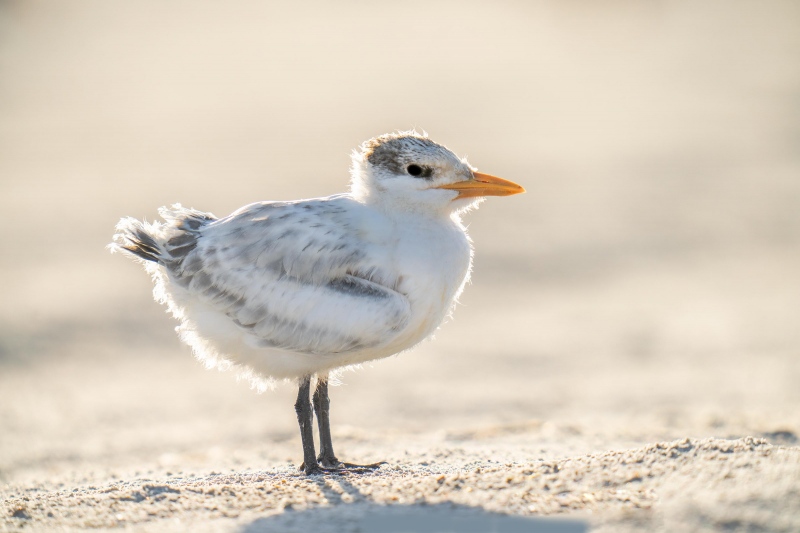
432, 264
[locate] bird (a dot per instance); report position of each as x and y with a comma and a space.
299, 290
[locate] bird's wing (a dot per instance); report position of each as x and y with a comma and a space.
296, 276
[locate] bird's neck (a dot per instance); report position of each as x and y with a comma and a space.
395, 207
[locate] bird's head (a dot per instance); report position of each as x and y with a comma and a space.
408, 171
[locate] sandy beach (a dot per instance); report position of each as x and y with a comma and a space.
626, 357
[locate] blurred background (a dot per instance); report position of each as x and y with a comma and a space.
646, 286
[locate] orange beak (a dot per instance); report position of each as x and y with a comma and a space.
483, 185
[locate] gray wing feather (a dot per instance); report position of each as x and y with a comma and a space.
295, 276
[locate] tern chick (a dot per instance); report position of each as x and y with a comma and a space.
297, 290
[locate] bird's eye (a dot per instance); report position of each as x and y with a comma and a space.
414, 170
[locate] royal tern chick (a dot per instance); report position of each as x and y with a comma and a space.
294, 290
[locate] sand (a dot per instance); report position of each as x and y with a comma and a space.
688, 485
626, 358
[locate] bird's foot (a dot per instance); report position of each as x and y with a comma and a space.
331, 465
313, 470
359, 469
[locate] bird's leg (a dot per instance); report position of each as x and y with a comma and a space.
327, 459
305, 419
322, 407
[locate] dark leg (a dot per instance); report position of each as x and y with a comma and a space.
322, 407
327, 459
305, 419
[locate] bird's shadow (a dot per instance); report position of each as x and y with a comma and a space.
352, 512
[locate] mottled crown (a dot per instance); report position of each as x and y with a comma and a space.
395, 151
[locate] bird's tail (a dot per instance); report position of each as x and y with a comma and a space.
161, 242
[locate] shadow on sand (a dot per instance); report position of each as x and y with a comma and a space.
441, 518
364, 516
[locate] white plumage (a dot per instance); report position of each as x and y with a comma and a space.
295, 289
